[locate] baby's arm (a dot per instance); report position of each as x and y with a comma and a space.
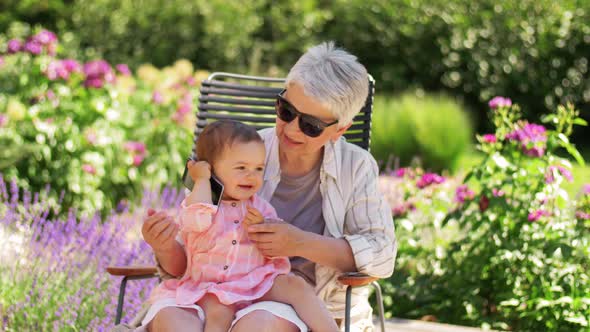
200, 172
218, 316
294, 290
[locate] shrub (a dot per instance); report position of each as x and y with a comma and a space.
436, 129
521, 255
92, 129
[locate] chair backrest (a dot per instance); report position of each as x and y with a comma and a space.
251, 99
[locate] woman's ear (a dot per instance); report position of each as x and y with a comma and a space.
336, 136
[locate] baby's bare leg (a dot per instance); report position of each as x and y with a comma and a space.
293, 290
218, 316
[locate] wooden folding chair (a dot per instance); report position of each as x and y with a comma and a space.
251, 99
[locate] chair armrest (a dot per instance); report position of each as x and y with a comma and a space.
356, 279
132, 271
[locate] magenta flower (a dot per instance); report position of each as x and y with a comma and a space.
14, 46
89, 169
463, 193
532, 138
499, 102
582, 215
45, 37
3, 120
537, 214
138, 159
123, 69
403, 209
489, 138
72, 65
1, 61
33, 47
401, 172
56, 70
564, 172
497, 192
428, 179
98, 72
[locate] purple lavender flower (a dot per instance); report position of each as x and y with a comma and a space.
532, 138
499, 102
463, 193
537, 214
552, 170
14, 46
428, 179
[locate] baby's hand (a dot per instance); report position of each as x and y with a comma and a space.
253, 217
198, 170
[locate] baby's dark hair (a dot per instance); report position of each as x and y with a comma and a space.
219, 135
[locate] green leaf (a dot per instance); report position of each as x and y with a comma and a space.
575, 153
580, 122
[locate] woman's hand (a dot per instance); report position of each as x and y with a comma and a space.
276, 238
159, 231
198, 170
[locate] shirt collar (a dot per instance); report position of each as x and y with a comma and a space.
330, 166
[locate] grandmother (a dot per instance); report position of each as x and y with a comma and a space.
324, 188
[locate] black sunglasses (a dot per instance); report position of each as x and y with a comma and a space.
308, 124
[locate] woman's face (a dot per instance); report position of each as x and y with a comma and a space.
240, 168
291, 139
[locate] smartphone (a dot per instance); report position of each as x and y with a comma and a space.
216, 185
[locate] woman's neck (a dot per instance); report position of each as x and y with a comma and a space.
296, 164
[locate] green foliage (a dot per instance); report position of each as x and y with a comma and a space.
100, 145
436, 129
520, 257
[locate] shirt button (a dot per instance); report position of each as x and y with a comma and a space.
234, 242
236, 221
225, 267
233, 204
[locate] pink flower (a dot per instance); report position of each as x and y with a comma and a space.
191, 81
497, 192
14, 46
428, 179
33, 47
499, 102
582, 215
91, 137
463, 193
1, 61
98, 72
135, 147
89, 169
403, 208
489, 138
532, 138
71, 65
123, 69
537, 214
586, 189
564, 172
138, 159
3, 120
157, 98
45, 37
401, 172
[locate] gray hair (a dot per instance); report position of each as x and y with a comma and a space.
333, 77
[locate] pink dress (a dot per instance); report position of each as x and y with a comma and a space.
221, 259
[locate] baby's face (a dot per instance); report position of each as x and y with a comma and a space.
240, 168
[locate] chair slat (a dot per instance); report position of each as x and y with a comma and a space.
236, 101
242, 87
238, 93
233, 109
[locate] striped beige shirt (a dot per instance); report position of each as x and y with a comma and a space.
353, 209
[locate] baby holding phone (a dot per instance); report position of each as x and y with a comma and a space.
225, 271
